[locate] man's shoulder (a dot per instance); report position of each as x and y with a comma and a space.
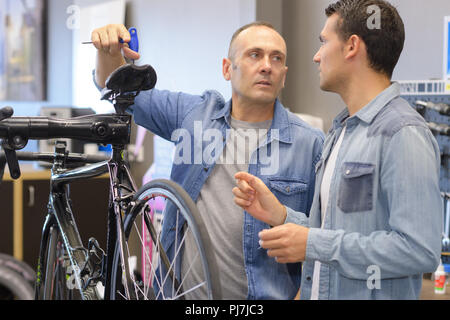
210, 102
207, 103
397, 114
214, 96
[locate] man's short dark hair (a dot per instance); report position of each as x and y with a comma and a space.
249, 25
384, 43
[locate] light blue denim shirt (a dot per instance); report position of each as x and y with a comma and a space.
299, 147
383, 224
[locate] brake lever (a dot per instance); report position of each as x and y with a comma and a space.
10, 155
13, 163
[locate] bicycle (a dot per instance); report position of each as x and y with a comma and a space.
136, 219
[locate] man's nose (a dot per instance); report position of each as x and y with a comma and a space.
266, 65
316, 57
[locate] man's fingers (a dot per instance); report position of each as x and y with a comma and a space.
124, 33
281, 256
130, 54
245, 181
104, 40
108, 38
270, 244
114, 45
242, 195
243, 175
245, 187
244, 204
275, 252
254, 182
95, 38
241, 199
272, 234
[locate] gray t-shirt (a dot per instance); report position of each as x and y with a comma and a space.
222, 217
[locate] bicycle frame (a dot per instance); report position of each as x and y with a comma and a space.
60, 215
112, 128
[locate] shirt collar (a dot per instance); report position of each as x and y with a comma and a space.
280, 120
369, 111
224, 112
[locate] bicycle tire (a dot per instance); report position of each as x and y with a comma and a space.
179, 197
21, 267
13, 286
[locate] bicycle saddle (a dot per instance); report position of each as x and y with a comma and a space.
125, 83
131, 78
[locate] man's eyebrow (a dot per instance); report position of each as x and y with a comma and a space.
260, 50
254, 49
279, 52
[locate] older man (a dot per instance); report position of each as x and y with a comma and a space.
257, 134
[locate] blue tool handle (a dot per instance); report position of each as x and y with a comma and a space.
134, 42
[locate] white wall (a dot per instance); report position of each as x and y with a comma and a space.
422, 55
302, 22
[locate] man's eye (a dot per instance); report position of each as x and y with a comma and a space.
254, 55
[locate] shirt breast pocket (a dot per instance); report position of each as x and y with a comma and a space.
356, 187
290, 192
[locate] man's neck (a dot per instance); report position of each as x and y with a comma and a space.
359, 92
252, 112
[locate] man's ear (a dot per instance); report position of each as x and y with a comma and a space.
352, 46
284, 77
226, 67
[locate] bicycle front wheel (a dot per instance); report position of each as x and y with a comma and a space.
165, 236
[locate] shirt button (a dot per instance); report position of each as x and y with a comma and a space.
308, 278
288, 189
347, 172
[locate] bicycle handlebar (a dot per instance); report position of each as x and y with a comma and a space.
15, 132
107, 129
